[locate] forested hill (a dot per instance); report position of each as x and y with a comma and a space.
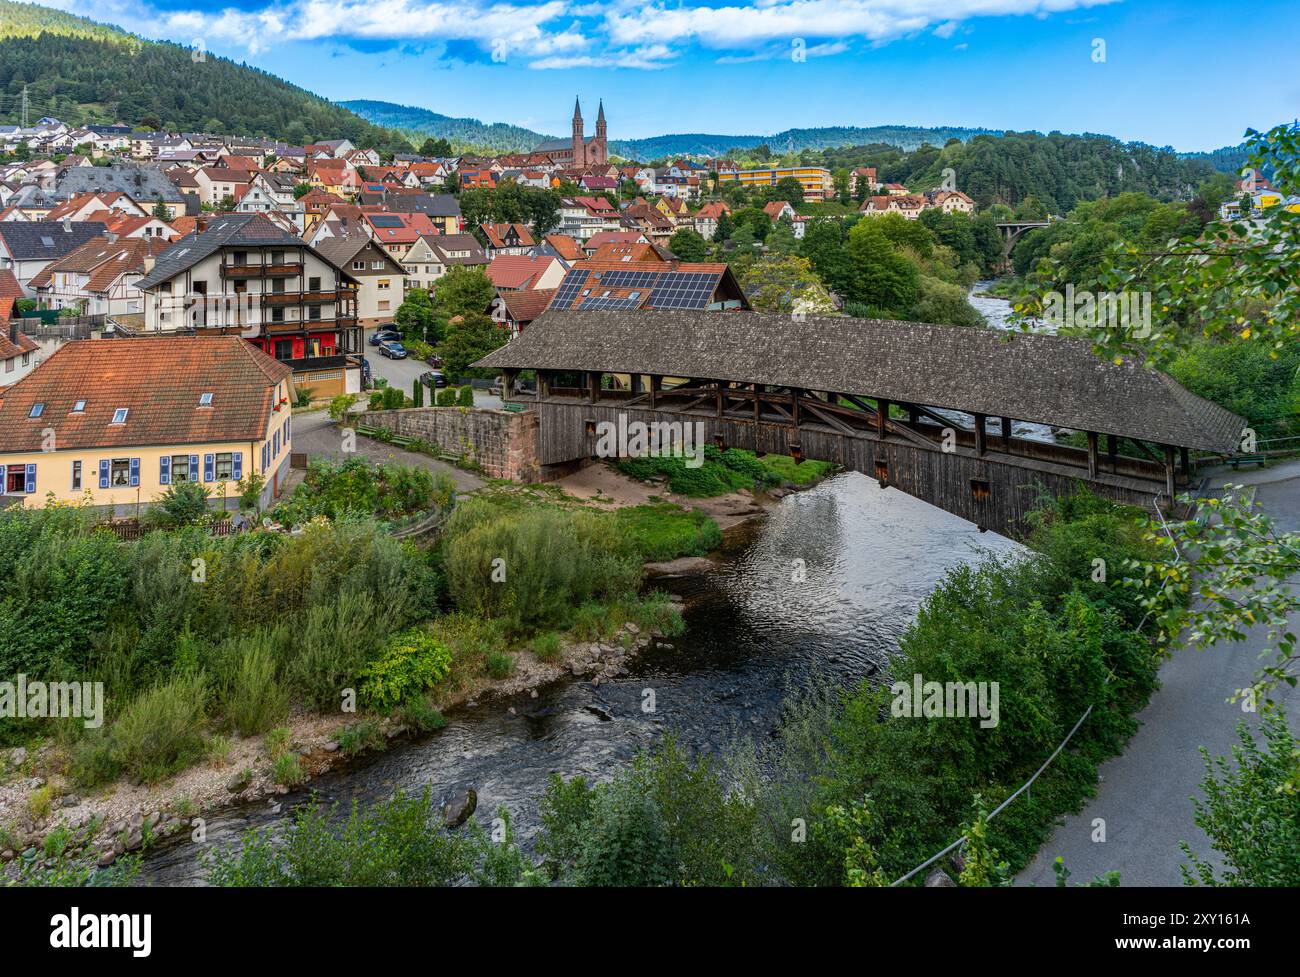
1058, 170
80, 71
463, 134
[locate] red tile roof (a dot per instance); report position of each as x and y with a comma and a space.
518, 270
158, 380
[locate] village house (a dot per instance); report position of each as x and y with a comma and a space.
379, 274
205, 409
515, 309
99, 278
241, 274
28, 247
507, 239
523, 272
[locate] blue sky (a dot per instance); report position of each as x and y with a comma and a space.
1188, 73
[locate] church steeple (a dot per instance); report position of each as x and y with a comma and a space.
600, 121
579, 140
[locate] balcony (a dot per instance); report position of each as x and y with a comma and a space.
310, 364
305, 298
259, 270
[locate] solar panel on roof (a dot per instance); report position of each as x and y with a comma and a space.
569, 288
380, 220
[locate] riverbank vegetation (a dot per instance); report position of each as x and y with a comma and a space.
723, 470
201, 640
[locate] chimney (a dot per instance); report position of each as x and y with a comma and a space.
148, 263
201, 224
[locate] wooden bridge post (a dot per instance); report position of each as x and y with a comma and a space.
1092, 454
1112, 447
757, 407
543, 383
508, 378
882, 415
981, 435
1185, 462
1169, 471
656, 382
1006, 434
719, 383
794, 405
593, 385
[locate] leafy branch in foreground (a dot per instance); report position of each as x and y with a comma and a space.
1221, 576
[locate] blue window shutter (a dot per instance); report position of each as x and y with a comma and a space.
194, 468
164, 470
275, 446
103, 474
237, 465
31, 479
209, 467
135, 472
266, 456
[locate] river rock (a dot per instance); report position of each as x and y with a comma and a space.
631, 627
458, 810
18, 756
106, 858
329, 746
135, 842
8, 855
238, 782
939, 879
601, 711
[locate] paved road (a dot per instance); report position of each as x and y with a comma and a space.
1145, 794
319, 437
404, 373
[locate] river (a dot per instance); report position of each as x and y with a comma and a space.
871, 556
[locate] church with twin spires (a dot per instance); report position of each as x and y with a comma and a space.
579, 151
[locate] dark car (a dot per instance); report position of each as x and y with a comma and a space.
393, 350
434, 379
380, 336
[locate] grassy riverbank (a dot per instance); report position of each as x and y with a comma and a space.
219, 654
721, 471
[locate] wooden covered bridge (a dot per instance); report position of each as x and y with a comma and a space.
927, 409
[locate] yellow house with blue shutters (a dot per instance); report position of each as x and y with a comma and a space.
121, 421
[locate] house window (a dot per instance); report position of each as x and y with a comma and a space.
27, 358
36, 411
383, 306
225, 467
383, 283
313, 283
205, 400
358, 266
181, 469
9, 365
377, 265
79, 407
313, 312
16, 480
120, 472
119, 415
277, 315
76, 476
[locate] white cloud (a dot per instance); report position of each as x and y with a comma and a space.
553, 34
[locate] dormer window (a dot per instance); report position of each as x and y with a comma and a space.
36, 411
79, 407
119, 415
205, 400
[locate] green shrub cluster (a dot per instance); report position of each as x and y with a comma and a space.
361, 488
193, 634
723, 471
412, 663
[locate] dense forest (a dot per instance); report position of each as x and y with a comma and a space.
461, 133
1058, 170
80, 72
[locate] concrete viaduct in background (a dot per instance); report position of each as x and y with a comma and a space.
927, 409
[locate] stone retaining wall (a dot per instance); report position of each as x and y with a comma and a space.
502, 443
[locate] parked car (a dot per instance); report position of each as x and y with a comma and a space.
393, 350
380, 336
434, 379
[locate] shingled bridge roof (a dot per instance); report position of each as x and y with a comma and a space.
1028, 377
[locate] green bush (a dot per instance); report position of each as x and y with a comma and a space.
447, 397
547, 646
396, 843
500, 664
532, 567
161, 731
254, 700
393, 398
465, 397
414, 662
183, 504
286, 769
